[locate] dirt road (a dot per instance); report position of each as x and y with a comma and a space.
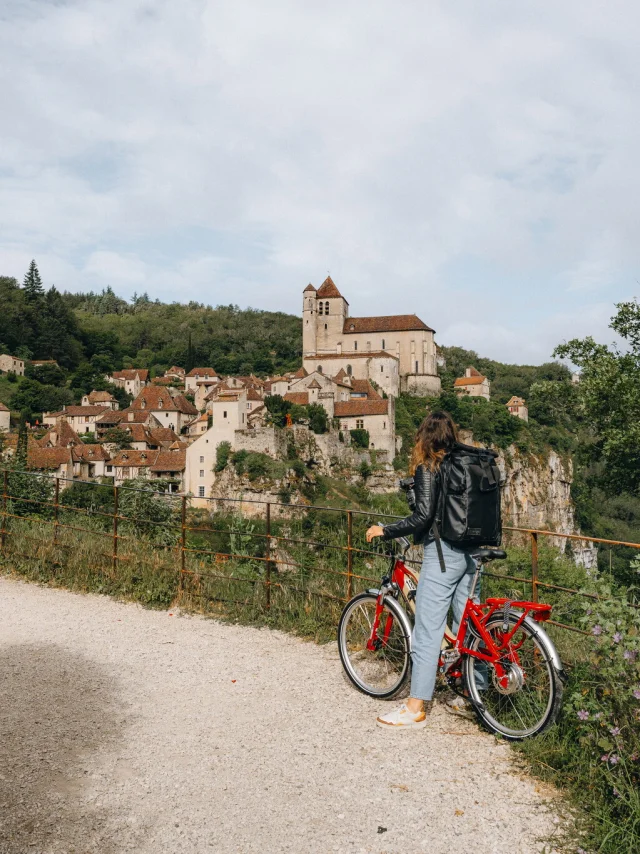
123, 729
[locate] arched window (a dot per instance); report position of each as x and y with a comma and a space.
349, 370
326, 326
326, 308
355, 345
320, 311
319, 369
383, 344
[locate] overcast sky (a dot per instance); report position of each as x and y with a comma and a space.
473, 162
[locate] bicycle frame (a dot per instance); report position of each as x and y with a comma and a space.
401, 581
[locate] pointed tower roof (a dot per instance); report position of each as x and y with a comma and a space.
308, 288
328, 289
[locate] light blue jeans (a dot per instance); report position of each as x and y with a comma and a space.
437, 592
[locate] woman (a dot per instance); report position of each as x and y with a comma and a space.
437, 590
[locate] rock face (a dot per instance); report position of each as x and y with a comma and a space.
537, 491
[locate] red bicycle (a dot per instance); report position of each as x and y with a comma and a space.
502, 661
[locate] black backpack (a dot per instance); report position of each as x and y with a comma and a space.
468, 512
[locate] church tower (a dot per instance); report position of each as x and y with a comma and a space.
309, 316
332, 311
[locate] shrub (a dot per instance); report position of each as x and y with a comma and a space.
223, 452
360, 438
365, 470
298, 468
318, 418
258, 465
239, 460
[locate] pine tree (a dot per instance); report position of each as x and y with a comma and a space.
32, 283
190, 359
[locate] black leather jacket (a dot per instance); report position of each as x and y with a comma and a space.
419, 523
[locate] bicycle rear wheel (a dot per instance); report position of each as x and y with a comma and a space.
384, 671
531, 700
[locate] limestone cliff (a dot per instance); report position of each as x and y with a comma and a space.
537, 491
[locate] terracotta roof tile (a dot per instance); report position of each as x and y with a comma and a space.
47, 458
300, 398
134, 459
131, 373
308, 288
100, 397
356, 408
163, 435
89, 453
60, 436
170, 461
301, 373
364, 387
391, 323
516, 401
252, 394
328, 290
462, 381
202, 372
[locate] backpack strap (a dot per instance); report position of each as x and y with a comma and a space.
436, 536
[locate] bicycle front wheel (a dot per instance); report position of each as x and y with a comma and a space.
382, 671
530, 700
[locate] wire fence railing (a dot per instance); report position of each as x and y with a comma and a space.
267, 556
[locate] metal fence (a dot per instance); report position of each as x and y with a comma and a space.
266, 546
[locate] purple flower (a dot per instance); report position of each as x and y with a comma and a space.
614, 730
629, 654
596, 630
636, 693
617, 637
614, 759
583, 715
604, 757
597, 716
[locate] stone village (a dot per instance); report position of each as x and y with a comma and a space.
353, 367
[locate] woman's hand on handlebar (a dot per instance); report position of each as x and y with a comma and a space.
374, 531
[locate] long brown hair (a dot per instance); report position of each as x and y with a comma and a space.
435, 437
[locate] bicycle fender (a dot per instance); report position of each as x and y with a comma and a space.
400, 615
536, 629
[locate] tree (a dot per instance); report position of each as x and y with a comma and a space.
47, 374
318, 418
608, 396
32, 283
360, 438
34, 398
189, 362
118, 437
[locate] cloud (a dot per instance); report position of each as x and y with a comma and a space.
473, 163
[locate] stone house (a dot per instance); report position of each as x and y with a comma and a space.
379, 367
375, 416
5, 418
100, 398
123, 418
88, 460
132, 380
175, 373
155, 465
11, 365
82, 419
173, 411
517, 406
198, 426
191, 379
55, 461
328, 329
474, 384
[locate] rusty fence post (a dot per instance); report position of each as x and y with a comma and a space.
183, 541
349, 554
5, 490
267, 554
116, 493
56, 503
534, 566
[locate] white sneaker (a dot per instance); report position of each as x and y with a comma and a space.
402, 718
459, 706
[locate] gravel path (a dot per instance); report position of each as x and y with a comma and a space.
123, 729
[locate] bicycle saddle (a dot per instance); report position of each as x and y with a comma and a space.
485, 555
